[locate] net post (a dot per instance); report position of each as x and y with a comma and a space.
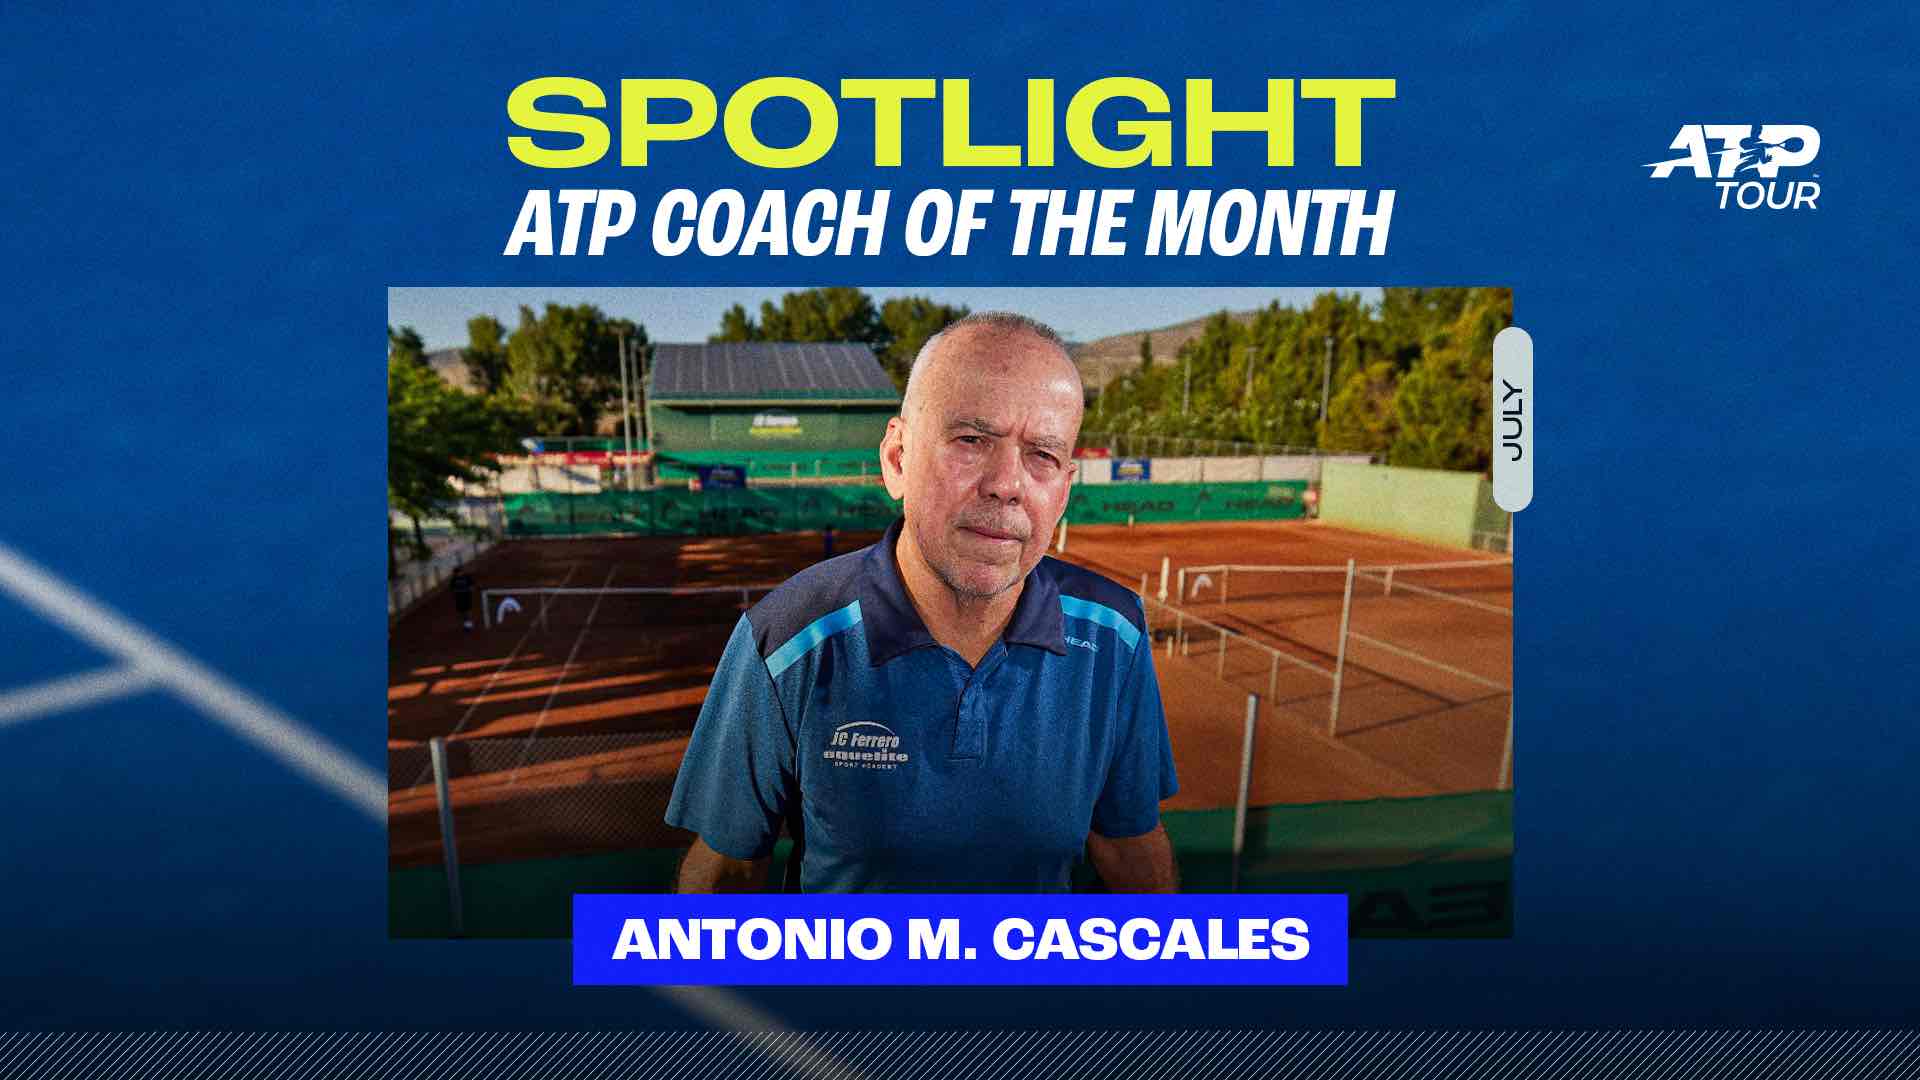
1226, 575
1220, 669
1273, 676
1180, 632
1505, 780
1062, 549
1340, 657
1389, 591
1166, 561
437, 749
1246, 785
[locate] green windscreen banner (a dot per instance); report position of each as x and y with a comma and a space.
679, 512
741, 511
772, 463
1119, 504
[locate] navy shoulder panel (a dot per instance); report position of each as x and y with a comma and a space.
804, 598
1083, 584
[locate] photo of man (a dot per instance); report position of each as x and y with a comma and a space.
947, 709
835, 590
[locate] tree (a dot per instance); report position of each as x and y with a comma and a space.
839, 313
438, 439
895, 330
1361, 415
736, 325
1257, 377
1444, 406
908, 321
564, 365
486, 353
1433, 410
1146, 352
405, 345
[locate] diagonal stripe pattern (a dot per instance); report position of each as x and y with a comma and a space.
957, 1055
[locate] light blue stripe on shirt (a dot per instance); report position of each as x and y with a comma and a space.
816, 632
1077, 608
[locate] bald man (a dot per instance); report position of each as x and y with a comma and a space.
949, 709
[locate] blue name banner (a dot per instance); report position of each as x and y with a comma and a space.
950, 939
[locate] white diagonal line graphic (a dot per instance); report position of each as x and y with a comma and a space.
730, 1012
71, 692
247, 716
155, 663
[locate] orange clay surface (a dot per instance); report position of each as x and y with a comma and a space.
565, 738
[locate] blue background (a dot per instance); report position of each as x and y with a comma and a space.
202, 213
599, 922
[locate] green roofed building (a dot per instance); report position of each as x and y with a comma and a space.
764, 400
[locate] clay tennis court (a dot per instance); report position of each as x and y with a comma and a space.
564, 733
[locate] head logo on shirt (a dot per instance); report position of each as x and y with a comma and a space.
864, 744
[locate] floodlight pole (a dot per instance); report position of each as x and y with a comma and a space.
640, 391
1246, 789
1326, 378
626, 411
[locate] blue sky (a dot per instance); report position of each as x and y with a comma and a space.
690, 314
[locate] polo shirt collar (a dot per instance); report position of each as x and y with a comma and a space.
893, 626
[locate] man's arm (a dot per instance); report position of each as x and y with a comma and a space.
705, 870
1141, 863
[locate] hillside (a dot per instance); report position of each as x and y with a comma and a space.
1110, 357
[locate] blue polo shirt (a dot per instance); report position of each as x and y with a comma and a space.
903, 769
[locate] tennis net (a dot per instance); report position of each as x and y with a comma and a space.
1485, 584
552, 608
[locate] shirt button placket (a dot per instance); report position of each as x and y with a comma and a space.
970, 733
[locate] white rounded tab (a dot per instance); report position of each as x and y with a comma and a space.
1513, 419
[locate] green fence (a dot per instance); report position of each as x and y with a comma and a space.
1421, 504
679, 512
1440, 866
740, 511
801, 464
1437, 867
1118, 504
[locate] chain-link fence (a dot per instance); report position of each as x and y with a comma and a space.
1125, 444
503, 831
469, 528
1407, 666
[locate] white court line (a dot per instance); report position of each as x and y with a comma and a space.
247, 716
487, 688
160, 664
72, 692
514, 777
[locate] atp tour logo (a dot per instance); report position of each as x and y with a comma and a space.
864, 744
1746, 164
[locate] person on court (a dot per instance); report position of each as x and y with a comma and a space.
948, 709
461, 586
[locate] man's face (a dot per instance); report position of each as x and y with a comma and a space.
984, 455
